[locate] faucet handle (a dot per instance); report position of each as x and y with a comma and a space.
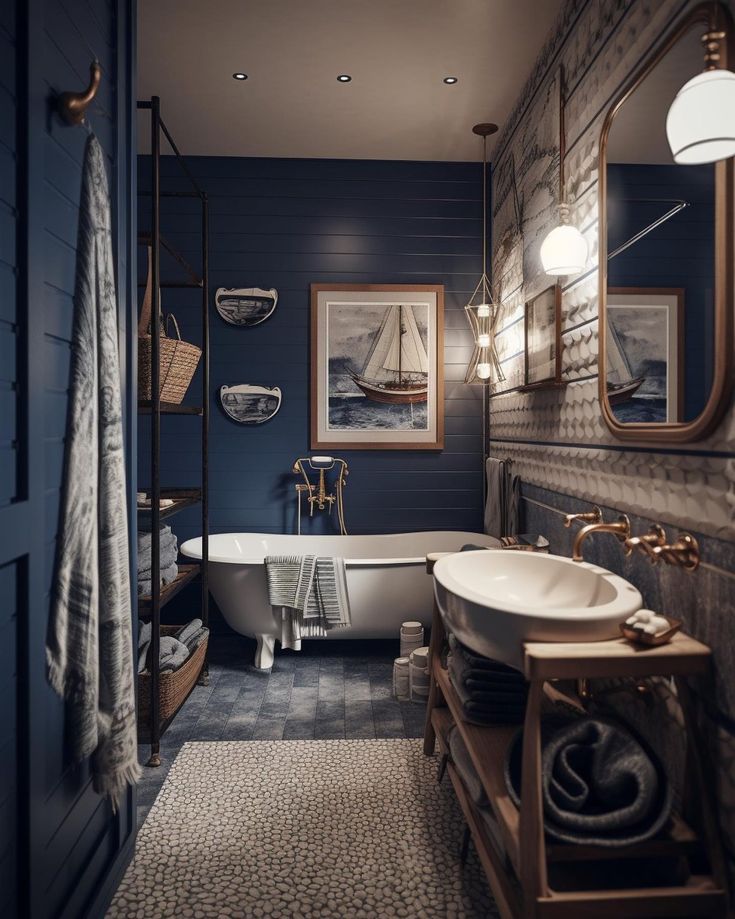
593, 516
683, 552
656, 536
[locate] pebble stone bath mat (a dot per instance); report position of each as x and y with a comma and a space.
340, 829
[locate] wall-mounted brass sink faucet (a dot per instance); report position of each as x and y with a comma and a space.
683, 552
620, 529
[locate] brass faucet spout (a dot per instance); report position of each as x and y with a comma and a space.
620, 529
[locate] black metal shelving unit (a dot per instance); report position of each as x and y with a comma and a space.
150, 607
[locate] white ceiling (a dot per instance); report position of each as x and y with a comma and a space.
397, 51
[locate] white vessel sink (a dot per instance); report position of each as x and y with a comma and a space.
494, 600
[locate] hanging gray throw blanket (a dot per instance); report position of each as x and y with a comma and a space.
89, 649
312, 593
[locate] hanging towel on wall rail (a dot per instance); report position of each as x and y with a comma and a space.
501, 503
89, 650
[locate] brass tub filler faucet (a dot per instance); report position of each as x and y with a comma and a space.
317, 495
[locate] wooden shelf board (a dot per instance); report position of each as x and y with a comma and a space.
505, 893
183, 497
145, 407
616, 658
487, 747
698, 897
186, 573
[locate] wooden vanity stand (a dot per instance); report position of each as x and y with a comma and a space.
518, 872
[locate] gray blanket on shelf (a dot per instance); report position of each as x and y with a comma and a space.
89, 648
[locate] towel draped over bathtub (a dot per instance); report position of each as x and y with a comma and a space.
89, 647
311, 595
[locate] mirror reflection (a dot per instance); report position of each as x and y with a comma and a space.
659, 357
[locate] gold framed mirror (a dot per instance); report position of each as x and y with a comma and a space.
665, 256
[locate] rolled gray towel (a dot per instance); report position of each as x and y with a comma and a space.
173, 653
185, 633
167, 576
600, 784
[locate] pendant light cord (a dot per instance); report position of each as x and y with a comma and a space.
563, 206
484, 218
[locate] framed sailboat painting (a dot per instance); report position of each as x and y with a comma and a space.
377, 380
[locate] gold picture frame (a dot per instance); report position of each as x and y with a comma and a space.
542, 340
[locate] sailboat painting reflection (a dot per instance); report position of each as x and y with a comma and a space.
643, 350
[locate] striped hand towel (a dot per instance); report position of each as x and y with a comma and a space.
311, 592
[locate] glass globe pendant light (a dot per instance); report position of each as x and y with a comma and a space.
564, 250
483, 315
700, 126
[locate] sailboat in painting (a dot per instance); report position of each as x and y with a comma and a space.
621, 384
397, 368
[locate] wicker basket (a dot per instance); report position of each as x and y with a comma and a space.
173, 686
178, 361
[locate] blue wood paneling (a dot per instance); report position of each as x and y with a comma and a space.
59, 837
287, 223
680, 253
10, 571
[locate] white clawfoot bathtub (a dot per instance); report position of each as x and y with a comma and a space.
386, 579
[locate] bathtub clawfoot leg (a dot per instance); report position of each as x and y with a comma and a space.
264, 652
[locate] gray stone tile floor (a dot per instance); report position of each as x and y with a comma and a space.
334, 689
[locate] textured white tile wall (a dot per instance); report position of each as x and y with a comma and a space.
556, 437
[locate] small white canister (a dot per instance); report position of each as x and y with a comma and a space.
419, 674
401, 679
412, 637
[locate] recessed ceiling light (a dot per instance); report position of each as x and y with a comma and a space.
239, 76
450, 80
344, 78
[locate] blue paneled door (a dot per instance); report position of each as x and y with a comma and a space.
61, 848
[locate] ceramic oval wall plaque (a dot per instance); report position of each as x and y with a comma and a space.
245, 306
250, 404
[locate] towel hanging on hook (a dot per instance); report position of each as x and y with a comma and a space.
72, 107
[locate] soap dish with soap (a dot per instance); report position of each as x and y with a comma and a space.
648, 628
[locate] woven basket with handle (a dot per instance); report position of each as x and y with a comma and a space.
178, 360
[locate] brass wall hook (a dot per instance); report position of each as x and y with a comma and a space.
72, 107
593, 516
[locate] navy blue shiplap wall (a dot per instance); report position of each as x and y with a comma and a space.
61, 847
680, 253
286, 223
10, 573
